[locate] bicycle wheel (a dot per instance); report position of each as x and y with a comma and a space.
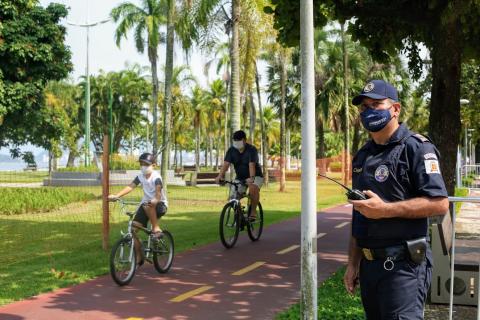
163, 252
229, 226
123, 261
255, 228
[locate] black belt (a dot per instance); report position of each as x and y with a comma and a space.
394, 253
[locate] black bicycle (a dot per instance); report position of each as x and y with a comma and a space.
234, 217
123, 258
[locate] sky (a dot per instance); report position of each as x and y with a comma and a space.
104, 53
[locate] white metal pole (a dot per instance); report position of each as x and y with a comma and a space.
459, 159
452, 264
309, 187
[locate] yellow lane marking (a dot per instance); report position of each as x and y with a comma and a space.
191, 293
321, 235
249, 268
286, 250
343, 224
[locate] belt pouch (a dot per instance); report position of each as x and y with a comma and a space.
417, 249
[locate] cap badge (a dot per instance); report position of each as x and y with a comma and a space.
369, 87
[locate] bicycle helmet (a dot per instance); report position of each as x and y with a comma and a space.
147, 158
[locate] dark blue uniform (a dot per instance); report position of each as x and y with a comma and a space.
404, 168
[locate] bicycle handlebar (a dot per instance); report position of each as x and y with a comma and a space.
233, 183
124, 202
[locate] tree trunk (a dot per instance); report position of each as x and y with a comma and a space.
262, 128
346, 173
217, 152
205, 153
253, 116
168, 89
445, 104
210, 147
321, 161
227, 144
71, 158
152, 54
235, 76
181, 157
283, 79
197, 142
356, 136
175, 148
288, 150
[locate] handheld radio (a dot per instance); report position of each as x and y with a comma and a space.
352, 194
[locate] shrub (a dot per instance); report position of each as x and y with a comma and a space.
118, 162
30, 200
333, 302
335, 166
90, 168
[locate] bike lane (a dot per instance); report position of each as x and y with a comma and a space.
253, 280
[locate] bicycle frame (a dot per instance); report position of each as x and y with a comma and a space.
130, 234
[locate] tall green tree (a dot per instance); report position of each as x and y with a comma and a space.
130, 93
64, 100
449, 29
32, 52
145, 20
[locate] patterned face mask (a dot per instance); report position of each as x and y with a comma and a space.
375, 120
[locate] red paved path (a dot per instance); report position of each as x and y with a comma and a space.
258, 294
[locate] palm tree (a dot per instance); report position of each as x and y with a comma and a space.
199, 120
145, 18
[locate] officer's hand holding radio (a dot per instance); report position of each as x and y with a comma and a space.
374, 207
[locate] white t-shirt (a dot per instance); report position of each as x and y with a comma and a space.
149, 186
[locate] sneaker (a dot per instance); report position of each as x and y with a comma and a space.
156, 236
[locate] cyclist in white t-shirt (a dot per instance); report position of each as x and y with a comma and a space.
154, 201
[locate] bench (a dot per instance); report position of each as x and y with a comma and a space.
202, 178
30, 167
467, 259
189, 168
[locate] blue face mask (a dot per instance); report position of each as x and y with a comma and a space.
375, 120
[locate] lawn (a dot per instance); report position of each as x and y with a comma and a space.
334, 303
44, 251
22, 177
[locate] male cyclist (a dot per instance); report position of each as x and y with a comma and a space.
154, 201
244, 158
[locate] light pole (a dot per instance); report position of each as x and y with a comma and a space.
464, 102
87, 25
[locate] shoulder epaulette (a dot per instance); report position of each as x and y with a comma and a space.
421, 137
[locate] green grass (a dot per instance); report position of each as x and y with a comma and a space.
334, 303
44, 251
32, 200
22, 177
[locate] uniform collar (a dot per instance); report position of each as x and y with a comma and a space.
401, 132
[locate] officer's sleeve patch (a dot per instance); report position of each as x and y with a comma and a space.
431, 166
430, 156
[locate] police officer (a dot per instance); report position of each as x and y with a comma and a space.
399, 173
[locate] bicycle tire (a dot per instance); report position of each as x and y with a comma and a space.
130, 258
255, 229
164, 248
229, 220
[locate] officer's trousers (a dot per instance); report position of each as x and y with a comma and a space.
398, 294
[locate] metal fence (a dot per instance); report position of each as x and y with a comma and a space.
468, 176
455, 200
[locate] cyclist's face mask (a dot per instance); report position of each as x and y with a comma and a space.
146, 169
239, 145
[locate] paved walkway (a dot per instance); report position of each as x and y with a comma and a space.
468, 219
251, 281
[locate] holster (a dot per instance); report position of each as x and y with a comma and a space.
417, 249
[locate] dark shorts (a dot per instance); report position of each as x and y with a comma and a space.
141, 215
398, 294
